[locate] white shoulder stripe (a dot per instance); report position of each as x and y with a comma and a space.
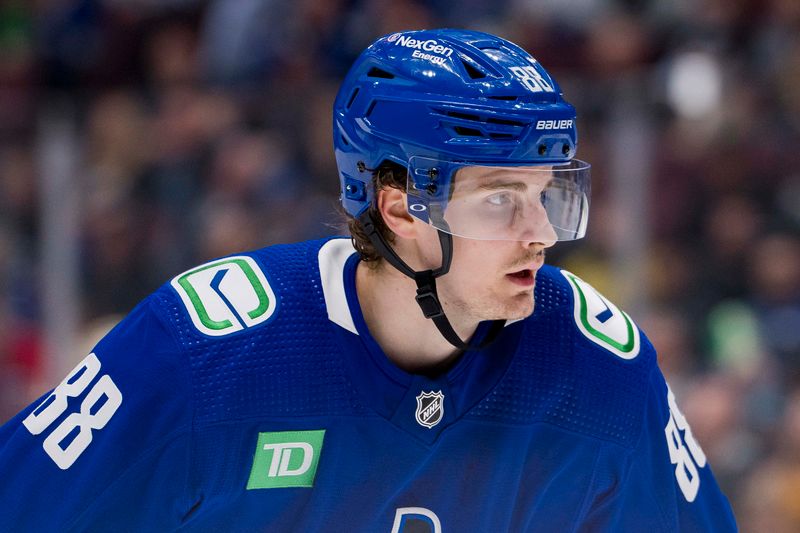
332, 257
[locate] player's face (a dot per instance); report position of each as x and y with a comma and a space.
493, 279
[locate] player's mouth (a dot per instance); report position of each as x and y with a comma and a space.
524, 278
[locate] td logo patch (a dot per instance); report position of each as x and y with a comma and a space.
286, 459
226, 296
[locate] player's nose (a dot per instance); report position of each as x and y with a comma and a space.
536, 228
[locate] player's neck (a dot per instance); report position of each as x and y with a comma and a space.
395, 321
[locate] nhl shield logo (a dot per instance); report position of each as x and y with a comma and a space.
430, 408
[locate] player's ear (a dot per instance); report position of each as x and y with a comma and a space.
393, 207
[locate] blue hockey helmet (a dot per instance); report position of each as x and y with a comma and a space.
436, 101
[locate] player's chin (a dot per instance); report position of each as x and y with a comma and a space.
516, 308
523, 312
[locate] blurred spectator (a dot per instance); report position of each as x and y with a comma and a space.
775, 270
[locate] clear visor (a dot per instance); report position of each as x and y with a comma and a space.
545, 203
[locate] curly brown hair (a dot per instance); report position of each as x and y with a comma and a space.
388, 174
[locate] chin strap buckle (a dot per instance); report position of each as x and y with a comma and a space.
429, 302
427, 298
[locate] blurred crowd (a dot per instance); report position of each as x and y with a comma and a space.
202, 128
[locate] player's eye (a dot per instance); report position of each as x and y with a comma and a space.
500, 199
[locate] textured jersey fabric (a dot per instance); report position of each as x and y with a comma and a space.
248, 395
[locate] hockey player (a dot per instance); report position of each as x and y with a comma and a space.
434, 377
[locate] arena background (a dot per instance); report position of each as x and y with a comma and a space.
140, 137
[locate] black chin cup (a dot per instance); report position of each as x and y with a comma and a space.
427, 297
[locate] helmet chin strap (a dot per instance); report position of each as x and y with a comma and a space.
427, 297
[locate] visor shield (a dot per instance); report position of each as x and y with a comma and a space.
545, 203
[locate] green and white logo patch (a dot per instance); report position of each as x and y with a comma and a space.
226, 296
286, 459
601, 321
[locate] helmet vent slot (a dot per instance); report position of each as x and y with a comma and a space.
505, 122
353, 97
467, 132
465, 116
376, 72
507, 98
472, 71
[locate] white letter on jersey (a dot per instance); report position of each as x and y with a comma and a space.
416, 513
54, 406
684, 458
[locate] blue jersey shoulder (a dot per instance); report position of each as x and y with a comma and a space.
255, 328
242, 293
582, 364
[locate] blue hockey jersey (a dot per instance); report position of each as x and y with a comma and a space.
248, 395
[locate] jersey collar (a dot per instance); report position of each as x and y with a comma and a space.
392, 392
